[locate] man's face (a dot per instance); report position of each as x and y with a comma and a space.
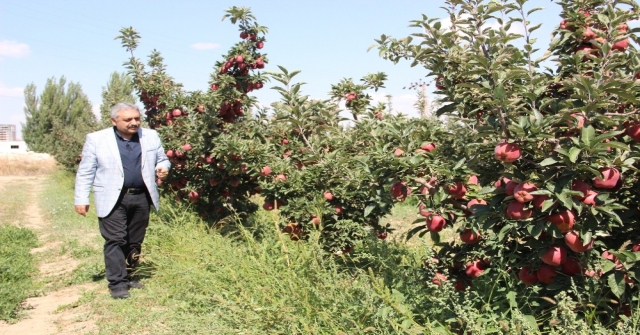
127, 121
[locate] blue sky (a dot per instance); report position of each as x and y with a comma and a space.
327, 40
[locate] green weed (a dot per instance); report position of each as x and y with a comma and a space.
17, 266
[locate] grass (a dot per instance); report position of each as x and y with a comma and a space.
77, 237
255, 280
17, 267
11, 207
26, 165
199, 281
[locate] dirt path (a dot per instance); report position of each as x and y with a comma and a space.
45, 314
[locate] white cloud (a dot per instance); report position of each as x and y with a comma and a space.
12, 92
13, 49
205, 46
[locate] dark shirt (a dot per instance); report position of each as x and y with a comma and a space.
131, 156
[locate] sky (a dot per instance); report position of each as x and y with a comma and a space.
327, 40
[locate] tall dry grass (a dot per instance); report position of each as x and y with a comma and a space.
26, 164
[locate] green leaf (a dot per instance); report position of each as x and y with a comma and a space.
588, 135
369, 208
618, 145
499, 93
565, 199
446, 109
459, 164
414, 231
616, 283
435, 237
573, 154
548, 161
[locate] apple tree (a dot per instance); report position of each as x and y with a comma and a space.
552, 141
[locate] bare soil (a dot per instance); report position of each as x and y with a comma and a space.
55, 312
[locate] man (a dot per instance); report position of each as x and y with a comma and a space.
121, 163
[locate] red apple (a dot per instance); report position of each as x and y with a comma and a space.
580, 186
338, 209
546, 273
268, 205
474, 269
398, 152
399, 190
435, 223
244, 35
501, 182
526, 276
469, 237
611, 176
563, 220
473, 204
473, 180
634, 132
176, 112
522, 192
260, 45
621, 45
428, 146
281, 177
457, 190
555, 255
575, 243
328, 195
515, 210
439, 278
607, 255
507, 152
510, 187
186, 147
315, 220
538, 200
571, 267
266, 170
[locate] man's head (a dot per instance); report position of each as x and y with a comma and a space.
126, 118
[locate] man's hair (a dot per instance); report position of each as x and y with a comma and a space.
122, 106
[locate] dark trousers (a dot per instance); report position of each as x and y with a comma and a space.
123, 231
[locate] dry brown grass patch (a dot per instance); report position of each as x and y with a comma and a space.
26, 164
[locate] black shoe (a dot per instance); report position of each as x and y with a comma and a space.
135, 284
119, 292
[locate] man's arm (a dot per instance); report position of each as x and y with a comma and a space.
85, 177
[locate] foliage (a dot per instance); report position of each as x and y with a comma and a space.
17, 266
564, 127
57, 120
118, 89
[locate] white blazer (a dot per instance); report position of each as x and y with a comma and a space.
101, 168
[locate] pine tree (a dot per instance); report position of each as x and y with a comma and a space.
119, 89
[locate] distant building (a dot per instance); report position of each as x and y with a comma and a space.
13, 147
7, 132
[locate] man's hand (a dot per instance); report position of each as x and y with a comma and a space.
161, 173
82, 209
